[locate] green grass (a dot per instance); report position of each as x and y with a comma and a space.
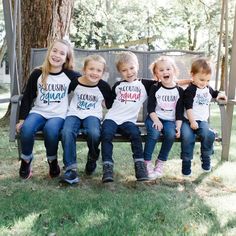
201, 205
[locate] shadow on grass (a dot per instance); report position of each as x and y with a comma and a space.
41, 206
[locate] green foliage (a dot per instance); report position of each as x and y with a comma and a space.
178, 24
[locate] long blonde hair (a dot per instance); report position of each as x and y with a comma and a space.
46, 66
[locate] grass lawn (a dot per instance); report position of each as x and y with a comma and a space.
201, 205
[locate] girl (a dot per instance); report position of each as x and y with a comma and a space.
47, 89
85, 112
165, 109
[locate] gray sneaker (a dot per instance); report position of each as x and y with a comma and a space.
70, 177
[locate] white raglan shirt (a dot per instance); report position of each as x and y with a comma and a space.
86, 101
128, 101
52, 101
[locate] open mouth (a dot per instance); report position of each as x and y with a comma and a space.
166, 77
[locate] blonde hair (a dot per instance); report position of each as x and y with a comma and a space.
126, 57
95, 57
46, 66
155, 64
201, 65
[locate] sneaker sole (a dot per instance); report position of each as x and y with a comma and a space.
108, 180
73, 181
143, 179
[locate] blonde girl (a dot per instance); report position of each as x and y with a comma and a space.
47, 89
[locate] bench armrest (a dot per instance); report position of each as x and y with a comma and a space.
15, 104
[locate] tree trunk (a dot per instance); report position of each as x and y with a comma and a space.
42, 22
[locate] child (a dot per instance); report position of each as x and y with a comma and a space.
129, 95
49, 86
85, 112
165, 109
196, 100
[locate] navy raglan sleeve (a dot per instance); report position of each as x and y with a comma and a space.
179, 114
151, 106
29, 94
189, 94
214, 93
73, 76
106, 92
148, 84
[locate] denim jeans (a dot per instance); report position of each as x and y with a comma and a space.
153, 135
91, 127
51, 130
127, 129
188, 135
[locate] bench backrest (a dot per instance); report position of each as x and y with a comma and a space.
182, 58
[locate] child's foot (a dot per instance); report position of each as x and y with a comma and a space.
206, 165
25, 171
140, 170
90, 166
70, 177
159, 168
107, 173
54, 169
186, 168
150, 169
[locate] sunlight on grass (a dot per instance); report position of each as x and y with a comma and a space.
91, 219
221, 192
21, 227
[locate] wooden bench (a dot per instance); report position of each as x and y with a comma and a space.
183, 60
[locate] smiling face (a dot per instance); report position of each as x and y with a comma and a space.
57, 56
201, 80
93, 72
165, 73
129, 71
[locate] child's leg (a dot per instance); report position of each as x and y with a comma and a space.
187, 147
92, 129
69, 134
152, 136
109, 129
131, 130
207, 139
33, 123
51, 133
168, 140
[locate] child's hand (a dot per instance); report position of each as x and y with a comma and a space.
177, 131
221, 96
157, 125
194, 125
19, 125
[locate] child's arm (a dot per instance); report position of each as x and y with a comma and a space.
178, 124
183, 82
156, 122
193, 122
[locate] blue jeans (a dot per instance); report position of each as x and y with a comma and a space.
188, 135
51, 131
127, 129
153, 135
91, 127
